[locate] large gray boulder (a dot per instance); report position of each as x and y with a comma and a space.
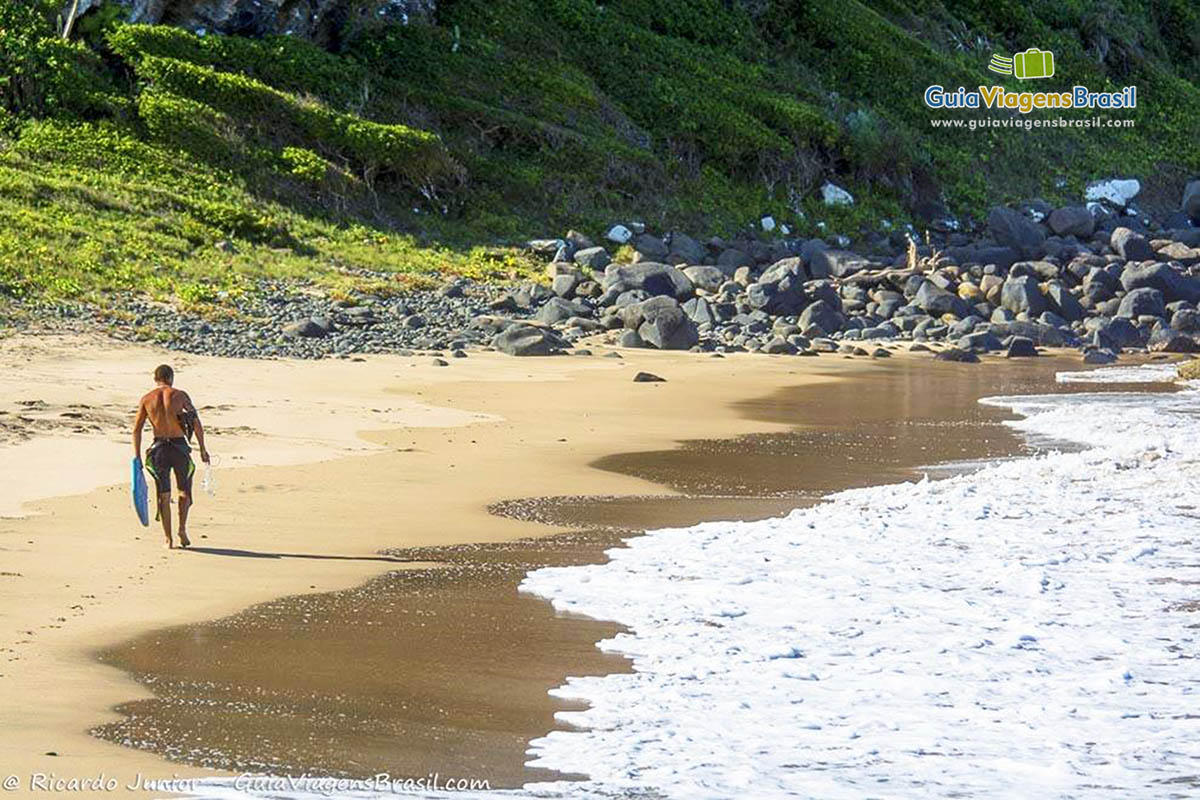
651, 277
1171, 282
731, 259
594, 258
1131, 245
527, 340
1072, 221
1063, 303
664, 325
700, 311
1039, 332
305, 329
1020, 294
558, 309
687, 249
1142, 302
779, 290
823, 316
707, 278
936, 301
836, 263
1117, 332
650, 248
1013, 229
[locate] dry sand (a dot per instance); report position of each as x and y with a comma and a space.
335, 460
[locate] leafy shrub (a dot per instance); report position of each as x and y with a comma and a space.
416, 156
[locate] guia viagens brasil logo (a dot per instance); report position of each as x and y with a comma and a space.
1031, 64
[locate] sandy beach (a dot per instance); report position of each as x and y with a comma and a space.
323, 465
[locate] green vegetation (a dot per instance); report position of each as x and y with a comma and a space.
127, 155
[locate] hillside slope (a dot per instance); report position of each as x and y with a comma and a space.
131, 152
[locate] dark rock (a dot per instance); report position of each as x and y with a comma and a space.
527, 340
936, 301
1186, 319
980, 341
1191, 201
733, 258
1020, 347
955, 354
651, 248
1119, 331
1020, 294
1142, 302
648, 377
836, 263
700, 311
1173, 284
304, 328
1131, 245
1099, 357
1167, 340
665, 325
707, 278
1072, 221
823, 317
564, 284
1013, 229
1063, 303
652, 278
779, 346
686, 249
593, 258
557, 309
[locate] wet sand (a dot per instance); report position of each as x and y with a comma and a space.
446, 669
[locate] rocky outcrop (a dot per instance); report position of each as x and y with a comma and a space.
319, 20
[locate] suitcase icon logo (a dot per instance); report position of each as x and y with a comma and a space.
1033, 63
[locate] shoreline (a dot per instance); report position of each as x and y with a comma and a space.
58, 614
496, 410
498, 699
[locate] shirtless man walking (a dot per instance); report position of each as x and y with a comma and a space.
171, 414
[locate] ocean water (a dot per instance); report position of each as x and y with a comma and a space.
1029, 629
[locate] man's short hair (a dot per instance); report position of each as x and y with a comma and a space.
164, 374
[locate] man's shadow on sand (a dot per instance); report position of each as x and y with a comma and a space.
236, 553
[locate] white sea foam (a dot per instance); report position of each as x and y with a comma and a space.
1141, 373
1019, 631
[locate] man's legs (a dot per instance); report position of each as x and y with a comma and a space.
183, 476
185, 503
164, 513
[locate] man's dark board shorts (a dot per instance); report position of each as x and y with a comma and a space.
171, 455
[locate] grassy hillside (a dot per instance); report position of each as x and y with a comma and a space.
128, 154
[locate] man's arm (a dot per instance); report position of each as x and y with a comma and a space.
187, 405
200, 440
139, 422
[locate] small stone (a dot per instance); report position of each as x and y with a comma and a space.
648, 377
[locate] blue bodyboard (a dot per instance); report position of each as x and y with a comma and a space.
140, 493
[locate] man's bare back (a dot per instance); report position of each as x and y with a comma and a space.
163, 405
